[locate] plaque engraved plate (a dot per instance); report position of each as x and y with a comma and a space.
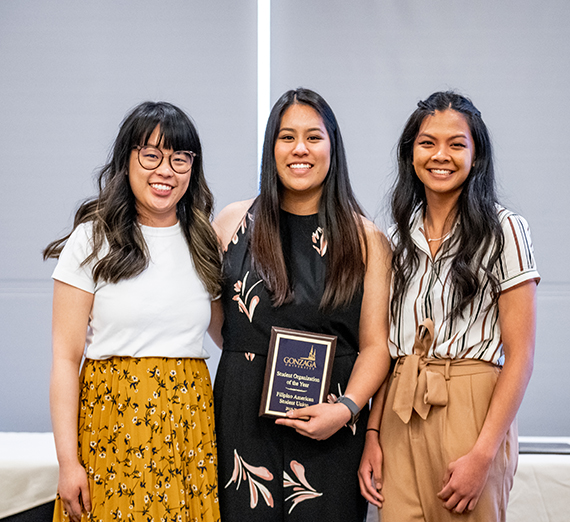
298, 371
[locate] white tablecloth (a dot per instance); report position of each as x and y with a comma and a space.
541, 492
28, 471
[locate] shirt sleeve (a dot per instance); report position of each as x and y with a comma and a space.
69, 268
516, 264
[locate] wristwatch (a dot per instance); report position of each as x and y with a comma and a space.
354, 409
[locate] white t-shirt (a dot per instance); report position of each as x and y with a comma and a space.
476, 335
162, 312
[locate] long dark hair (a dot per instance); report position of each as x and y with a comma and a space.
340, 215
113, 211
479, 227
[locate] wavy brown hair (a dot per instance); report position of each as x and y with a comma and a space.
339, 214
113, 211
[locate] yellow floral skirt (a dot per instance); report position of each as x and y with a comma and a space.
146, 439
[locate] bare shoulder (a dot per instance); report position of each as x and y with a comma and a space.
378, 260
376, 240
228, 220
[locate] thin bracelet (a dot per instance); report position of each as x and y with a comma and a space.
373, 429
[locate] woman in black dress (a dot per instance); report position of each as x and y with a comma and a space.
302, 256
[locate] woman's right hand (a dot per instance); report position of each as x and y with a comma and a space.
370, 470
73, 490
71, 309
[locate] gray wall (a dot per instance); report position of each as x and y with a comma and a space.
70, 71
373, 60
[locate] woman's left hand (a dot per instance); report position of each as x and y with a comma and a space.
464, 482
317, 422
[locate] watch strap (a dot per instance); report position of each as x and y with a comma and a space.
351, 405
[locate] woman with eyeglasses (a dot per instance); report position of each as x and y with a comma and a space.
132, 295
300, 256
443, 444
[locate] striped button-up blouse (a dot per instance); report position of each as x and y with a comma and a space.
477, 335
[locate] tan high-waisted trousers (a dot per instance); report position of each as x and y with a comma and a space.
433, 414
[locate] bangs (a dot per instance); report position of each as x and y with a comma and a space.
176, 130
176, 133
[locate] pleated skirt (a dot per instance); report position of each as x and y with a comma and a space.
146, 440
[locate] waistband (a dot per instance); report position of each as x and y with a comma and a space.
449, 367
422, 383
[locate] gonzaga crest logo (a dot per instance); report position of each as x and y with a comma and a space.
303, 363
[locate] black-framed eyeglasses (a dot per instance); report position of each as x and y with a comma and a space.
150, 158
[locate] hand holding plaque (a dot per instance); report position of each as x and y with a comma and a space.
298, 371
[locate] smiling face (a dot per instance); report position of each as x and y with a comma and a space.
156, 191
443, 154
302, 156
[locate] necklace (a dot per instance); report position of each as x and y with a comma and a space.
429, 239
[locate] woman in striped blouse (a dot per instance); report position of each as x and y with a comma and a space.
462, 329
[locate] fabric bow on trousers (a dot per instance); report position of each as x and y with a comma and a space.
434, 412
419, 387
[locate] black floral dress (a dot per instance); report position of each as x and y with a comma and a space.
269, 472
